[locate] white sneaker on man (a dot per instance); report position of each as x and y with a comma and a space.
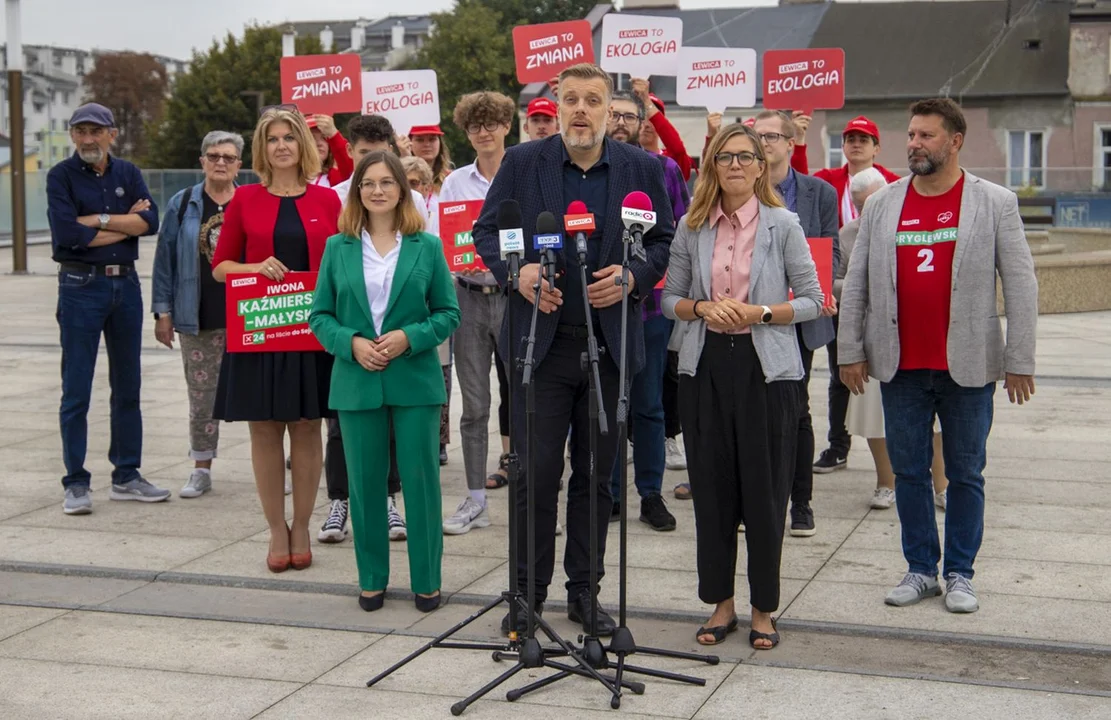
883, 498
334, 529
395, 521
468, 515
959, 595
674, 457
913, 588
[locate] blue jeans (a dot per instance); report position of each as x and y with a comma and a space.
89, 305
646, 406
910, 402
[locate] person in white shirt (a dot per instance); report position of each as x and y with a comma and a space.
486, 118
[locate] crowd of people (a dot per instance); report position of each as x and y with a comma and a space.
725, 314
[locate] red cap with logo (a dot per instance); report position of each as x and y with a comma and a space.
425, 130
862, 125
542, 106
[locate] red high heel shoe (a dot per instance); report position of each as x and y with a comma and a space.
279, 563
299, 561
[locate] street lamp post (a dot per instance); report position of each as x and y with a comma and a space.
18, 159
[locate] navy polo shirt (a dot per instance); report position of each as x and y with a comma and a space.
788, 190
592, 187
74, 188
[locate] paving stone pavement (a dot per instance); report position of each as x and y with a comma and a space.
168, 610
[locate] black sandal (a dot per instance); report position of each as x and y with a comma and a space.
719, 632
754, 635
497, 478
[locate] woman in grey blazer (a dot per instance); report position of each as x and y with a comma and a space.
735, 255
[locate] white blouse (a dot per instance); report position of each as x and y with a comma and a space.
378, 275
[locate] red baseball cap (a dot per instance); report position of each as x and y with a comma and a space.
657, 102
542, 106
750, 122
863, 125
310, 120
425, 130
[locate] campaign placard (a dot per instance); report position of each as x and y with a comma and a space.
267, 315
542, 51
641, 45
821, 249
716, 78
322, 84
405, 97
806, 80
457, 220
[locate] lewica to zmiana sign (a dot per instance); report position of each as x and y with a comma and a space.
641, 45
716, 78
542, 51
265, 315
322, 84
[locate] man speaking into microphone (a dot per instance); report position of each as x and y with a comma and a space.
547, 176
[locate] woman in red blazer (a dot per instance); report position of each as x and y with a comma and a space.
272, 228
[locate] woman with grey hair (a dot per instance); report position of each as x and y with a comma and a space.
188, 300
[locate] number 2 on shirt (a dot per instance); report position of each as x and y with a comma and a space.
927, 264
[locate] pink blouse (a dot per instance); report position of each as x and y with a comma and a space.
731, 264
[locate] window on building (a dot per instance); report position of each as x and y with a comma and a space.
1026, 158
67, 98
1102, 169
834, 157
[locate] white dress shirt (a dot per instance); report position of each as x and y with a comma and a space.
378, 275
343, 188
467, 183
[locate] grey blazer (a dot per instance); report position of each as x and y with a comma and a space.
990, 240
780, 260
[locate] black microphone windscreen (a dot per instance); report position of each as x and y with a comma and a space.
546, 223
509, 215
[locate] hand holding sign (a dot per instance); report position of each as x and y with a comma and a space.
326, 84
544, 50
405, 97
716, 78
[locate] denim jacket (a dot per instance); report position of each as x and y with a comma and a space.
176, 281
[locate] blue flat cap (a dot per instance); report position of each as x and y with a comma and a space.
94, 114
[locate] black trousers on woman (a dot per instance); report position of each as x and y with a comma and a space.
335, 464
740, 434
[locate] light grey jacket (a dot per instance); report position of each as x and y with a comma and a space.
990, 240
780, 260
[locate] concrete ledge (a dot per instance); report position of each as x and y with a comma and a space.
1070, 282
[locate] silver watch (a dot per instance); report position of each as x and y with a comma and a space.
104, 218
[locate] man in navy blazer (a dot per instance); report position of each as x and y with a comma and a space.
547, 175
815, 203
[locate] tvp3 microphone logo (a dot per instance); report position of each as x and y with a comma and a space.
547, 241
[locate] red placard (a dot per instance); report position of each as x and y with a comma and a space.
269, 316
821, 249
542, 51
804, 80
457, 219
323, 84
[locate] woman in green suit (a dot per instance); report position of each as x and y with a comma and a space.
384, 301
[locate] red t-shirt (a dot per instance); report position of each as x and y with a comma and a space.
924, 246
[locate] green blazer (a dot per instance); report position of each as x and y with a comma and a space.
422, 303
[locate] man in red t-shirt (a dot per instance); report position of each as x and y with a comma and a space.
918, 313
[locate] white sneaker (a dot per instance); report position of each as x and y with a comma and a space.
395, 521
468, 515
199, 483
883, 498
959, 595
913, 588
939, 499
334, 529
674, 457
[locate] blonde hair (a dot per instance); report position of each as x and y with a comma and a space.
419, 166
356, 218
707, 192
587, 71
308, 165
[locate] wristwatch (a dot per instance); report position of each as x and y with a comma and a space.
104, 218
766, 316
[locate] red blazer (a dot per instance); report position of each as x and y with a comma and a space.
839, 179
247, 235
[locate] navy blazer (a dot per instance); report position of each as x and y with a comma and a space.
816, 205
532, 174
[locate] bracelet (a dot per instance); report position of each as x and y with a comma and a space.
695, 309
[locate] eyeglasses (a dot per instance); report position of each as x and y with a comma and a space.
627, 118
289, 107
476, 128
772, 138
415, 184
725, 159
386, 185
216, 158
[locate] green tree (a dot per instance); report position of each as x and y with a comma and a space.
222, 90
133, 86
471, 49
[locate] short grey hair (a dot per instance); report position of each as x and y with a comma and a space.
864, 183
222, 137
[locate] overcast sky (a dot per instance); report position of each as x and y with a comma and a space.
174, 28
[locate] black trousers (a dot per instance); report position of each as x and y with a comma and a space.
562, 404
672, 418
839, 439
503, 397
802, 488
335, 466
739, 432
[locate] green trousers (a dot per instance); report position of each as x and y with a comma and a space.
366, 445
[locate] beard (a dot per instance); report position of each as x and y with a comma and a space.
92, 156
629, 138
926, 164
586, 143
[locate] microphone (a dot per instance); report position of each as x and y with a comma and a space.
547, 240
639, 218
580, 223
511, 238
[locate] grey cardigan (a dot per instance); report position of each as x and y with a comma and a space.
780, 260
990, 240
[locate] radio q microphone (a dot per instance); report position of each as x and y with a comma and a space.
639, 218
580, 223
547, 240
511, 238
